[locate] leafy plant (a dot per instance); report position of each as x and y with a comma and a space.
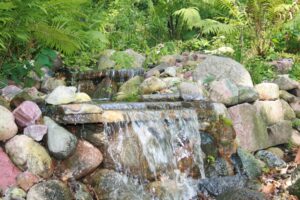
122, 59
259, 70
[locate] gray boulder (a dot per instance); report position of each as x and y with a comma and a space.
220, 68
61, 143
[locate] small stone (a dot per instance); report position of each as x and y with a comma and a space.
247, 94
288, 97
271, 111
49, 190
296, 107
295, 139
26, 180
285, 82
49, 84
283, 65
15, 193
8, 127
289, 113
28, 94
277, 151
61, 143
8, 171
62, 95
280, 133
80, 191
27, 113
36, 132
152, 84
73, 109
10, 91
190, 91
82, 97
270, 159
250, 164
171, 81
84, 161
267, 91
224, 91
29, 155
86, 86
130, 89
112, 116
170, 71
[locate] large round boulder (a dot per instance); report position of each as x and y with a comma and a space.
8, 127
221, 67
29, 155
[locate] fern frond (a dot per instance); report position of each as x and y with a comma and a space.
6, 6
210, 26
57, 37
189, 16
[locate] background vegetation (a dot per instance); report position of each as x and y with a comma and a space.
34, 31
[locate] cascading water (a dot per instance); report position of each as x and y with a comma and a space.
160, 149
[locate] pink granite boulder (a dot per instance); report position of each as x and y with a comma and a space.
8, 171
84, 161
27, 113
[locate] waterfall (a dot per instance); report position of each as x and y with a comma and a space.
158, 145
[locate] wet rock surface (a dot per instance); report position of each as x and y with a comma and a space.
241, 194
219, 185
85, 160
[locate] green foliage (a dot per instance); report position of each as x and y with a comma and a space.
296, 123
211, 160
80, 29
123, 60
259, 70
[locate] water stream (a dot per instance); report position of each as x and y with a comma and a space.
158, 147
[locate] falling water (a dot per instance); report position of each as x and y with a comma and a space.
158, 147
